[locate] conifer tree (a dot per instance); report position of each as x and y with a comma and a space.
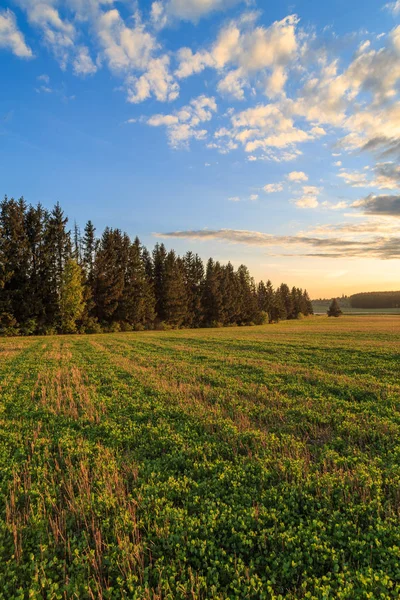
278, 308
15, 256
159, 268
175, 291
77, 244
307, 304
247, 296
194, 277
38, 286
89, 246
148, 263
230, 293
212, 301
334, 309
59, 240
137, 300
108, 276
265, 298
286, 300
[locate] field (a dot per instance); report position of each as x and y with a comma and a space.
320, 308
241, 463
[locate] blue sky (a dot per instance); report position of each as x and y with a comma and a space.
263, 133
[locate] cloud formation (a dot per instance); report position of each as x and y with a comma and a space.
243, 50
382, 176
11, 37
379, 205
308, 197
187, 10
297, 176
183, 125
270, 188
58, 34
320, 247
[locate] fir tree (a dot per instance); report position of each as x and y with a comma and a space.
194, 278
89, 246
137, 299
212, 301
159, 268
175, 293
108, 276
334, 309
15, 253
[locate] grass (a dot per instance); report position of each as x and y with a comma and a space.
320, 308
243, 463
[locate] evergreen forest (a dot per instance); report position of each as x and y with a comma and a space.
54, 280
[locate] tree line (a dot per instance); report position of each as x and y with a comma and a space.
53, 280
375, 300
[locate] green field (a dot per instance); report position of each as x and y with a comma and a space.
241, 463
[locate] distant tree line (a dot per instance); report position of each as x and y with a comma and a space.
375, 300
343, 300
53, 280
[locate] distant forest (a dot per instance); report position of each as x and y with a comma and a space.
53, 280
375, 300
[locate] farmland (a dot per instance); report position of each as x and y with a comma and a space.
320, 308
248, 462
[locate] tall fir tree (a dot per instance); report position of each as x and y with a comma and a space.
175, 291
212, 300
108, 276
159, 270
194, 279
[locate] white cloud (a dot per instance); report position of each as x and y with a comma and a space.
131, 51
58, 34
11, 37
309, 197
254, 197
183, 124
311, 189
307, 201
243, 50
83, 64
234, 199
297, 176
276, 82
355, 178
156, 81
233, 85
124, 47
271, 188
338, 163
383, 175
264, 128
190, 64
187, 10
337, 206
393, 7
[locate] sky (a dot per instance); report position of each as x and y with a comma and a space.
260, 132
